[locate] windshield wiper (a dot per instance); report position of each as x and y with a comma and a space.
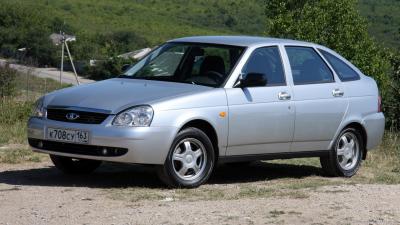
165, 80
132, 77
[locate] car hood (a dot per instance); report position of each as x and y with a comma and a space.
117, 94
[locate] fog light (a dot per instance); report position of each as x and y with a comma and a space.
104, 151
40, 144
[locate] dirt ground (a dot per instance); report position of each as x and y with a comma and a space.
36, 193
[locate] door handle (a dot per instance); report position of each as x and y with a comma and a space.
284, 96
337, 93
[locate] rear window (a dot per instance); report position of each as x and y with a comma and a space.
344, 71
307, 66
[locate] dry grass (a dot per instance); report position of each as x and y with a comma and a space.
383, 164
19, 154
13, 119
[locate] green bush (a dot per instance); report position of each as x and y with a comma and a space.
392, 110
108, 68
23, 27
7, 81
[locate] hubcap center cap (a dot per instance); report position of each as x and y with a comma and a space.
348, 151
189, 159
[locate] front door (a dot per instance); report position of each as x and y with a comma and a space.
261, 119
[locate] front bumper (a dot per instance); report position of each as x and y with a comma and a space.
145, 145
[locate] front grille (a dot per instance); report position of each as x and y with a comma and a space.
77, 149
84, 117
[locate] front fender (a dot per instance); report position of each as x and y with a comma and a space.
178, 118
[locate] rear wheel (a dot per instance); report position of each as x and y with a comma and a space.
190, 160
74, 166
346, 155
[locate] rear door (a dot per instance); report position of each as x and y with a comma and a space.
261, 119
318, 98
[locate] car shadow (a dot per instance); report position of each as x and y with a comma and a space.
111, 175
261, 171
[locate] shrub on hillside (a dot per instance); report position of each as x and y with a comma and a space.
108, 68
104, 45
23, 27
393, 115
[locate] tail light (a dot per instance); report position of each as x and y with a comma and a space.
379, 104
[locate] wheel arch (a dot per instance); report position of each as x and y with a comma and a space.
207, 128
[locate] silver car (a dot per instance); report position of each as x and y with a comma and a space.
198, 101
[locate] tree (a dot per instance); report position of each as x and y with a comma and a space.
339, 26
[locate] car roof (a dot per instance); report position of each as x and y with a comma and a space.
244, 41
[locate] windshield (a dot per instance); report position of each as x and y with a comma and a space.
201, 64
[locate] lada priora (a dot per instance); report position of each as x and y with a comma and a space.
197, 101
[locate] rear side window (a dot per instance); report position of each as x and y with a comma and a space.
307, 66
267, 61
344, 71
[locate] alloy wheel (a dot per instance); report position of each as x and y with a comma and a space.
189, 159
347, 151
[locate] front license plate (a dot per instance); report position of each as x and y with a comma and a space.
66, 135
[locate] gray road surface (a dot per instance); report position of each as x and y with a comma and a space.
52, 73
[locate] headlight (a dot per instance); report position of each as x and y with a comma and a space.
139, 116
39, 109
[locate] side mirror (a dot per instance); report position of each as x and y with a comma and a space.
252, 80
125, 67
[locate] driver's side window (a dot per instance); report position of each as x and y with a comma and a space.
267, 61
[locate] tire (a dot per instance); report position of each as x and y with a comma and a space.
343, 159
74, 166
190, 160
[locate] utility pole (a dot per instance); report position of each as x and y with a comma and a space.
72, 63
64, 44
62, 57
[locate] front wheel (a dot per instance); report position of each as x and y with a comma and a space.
345, 157
74, 166
190, 160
